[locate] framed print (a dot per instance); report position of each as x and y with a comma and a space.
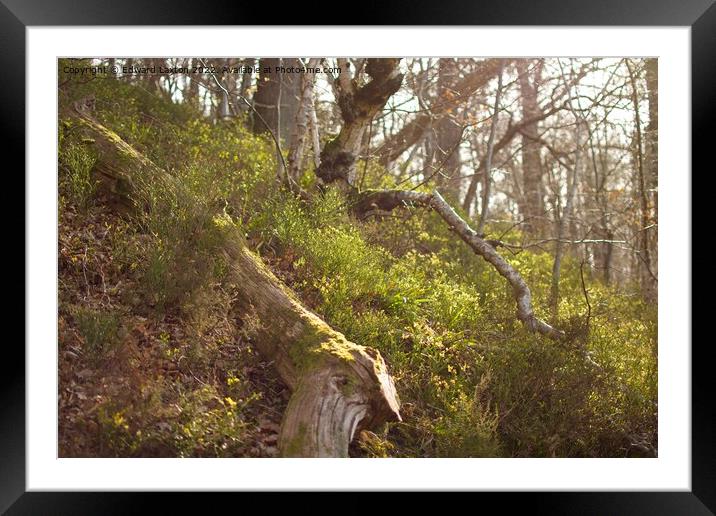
363, 258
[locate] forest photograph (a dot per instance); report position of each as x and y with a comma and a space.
399, 257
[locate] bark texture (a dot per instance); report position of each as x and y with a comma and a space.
652, 162
303, 116
532, 206
358, 104
448, 132
267, 97
339, 387
276, 97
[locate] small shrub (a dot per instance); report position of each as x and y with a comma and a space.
468, 430
115, 437
99, 329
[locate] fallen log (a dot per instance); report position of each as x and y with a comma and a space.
338, 387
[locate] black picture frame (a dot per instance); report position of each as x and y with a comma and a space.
700, 15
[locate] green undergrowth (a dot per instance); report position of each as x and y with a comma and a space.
472, 381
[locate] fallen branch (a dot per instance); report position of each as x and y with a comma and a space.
387, 200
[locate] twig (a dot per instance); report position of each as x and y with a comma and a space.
586, 293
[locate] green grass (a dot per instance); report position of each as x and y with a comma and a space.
76, 161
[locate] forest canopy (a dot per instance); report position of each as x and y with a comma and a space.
365, 257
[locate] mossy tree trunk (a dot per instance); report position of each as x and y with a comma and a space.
339, 387
358, 104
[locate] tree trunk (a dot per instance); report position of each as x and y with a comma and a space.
339, 387
315, 139
276, 97
651, 137
484, 212
597, 203
191, 92
266, 98
224, 112
247, 78
645, 267
566, 217
448, 134
290, 97
155, 78
303, 115
532, 205
358, 104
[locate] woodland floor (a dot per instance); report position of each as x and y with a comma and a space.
126, 375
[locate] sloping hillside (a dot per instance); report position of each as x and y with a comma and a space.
154, 362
